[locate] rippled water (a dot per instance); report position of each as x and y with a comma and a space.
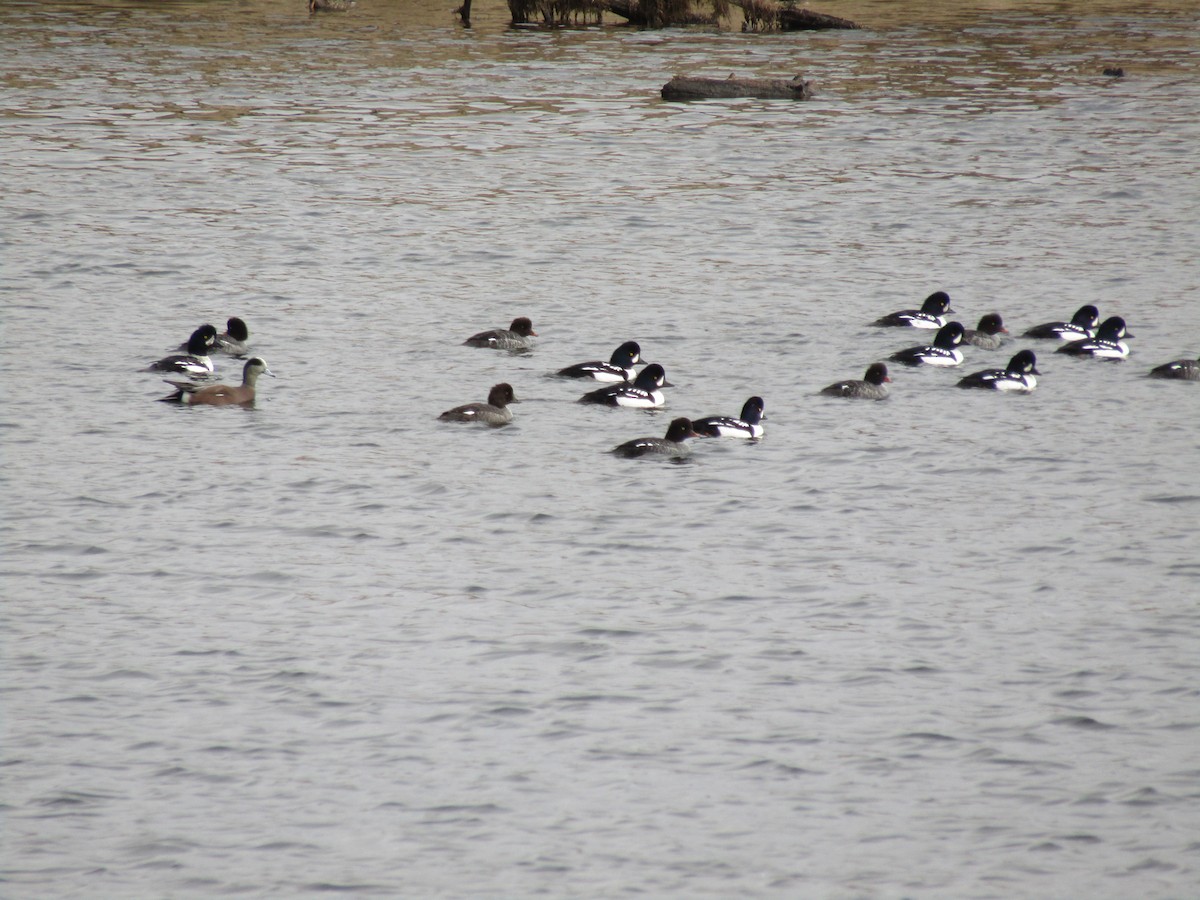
940, 646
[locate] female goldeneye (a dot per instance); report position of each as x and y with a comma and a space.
195, 361
644, 393
670, 446
221, 394
1185, 369
495, 412
232, 341
872, 387
987, 335
748, 426
1018, 376
618, 368
943, 352
932, 313
1082, 325
1107, 343
515, 337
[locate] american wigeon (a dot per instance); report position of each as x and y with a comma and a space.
221, 394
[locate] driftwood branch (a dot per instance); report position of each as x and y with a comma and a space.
680, 88
640, 13
758, 15
767, 15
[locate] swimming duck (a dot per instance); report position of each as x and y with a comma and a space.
644, 393
1107, 344
873, 385
1082, 325
494, 413
195, 361
221, 394
988, 335
515, 337
1184, 369
748, 426
943, 352
671, 446
931, 314
618, 368
1017, 377
232, 341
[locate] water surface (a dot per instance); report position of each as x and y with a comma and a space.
942, 645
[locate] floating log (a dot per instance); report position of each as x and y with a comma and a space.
680, 88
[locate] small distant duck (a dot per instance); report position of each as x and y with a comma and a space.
232, 341
1082, 325
618, 368
748, 426
210, 337
932, 313
644, 393
1018, 376
872, 387
330, 5
671, 446
515, 337
494, 413
943, 352
195, 361
221, 394
1107, 344
1183, 369
988, 335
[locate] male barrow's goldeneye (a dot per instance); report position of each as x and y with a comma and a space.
1017, 377
671, 446
932, 313
943, 352
221, 394
1184, 369
515, 337
748, 426
195, 361
1107, 344
988, 335
618, 368
644, 393
1082, 325
210, 335
872, 387
494, 413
